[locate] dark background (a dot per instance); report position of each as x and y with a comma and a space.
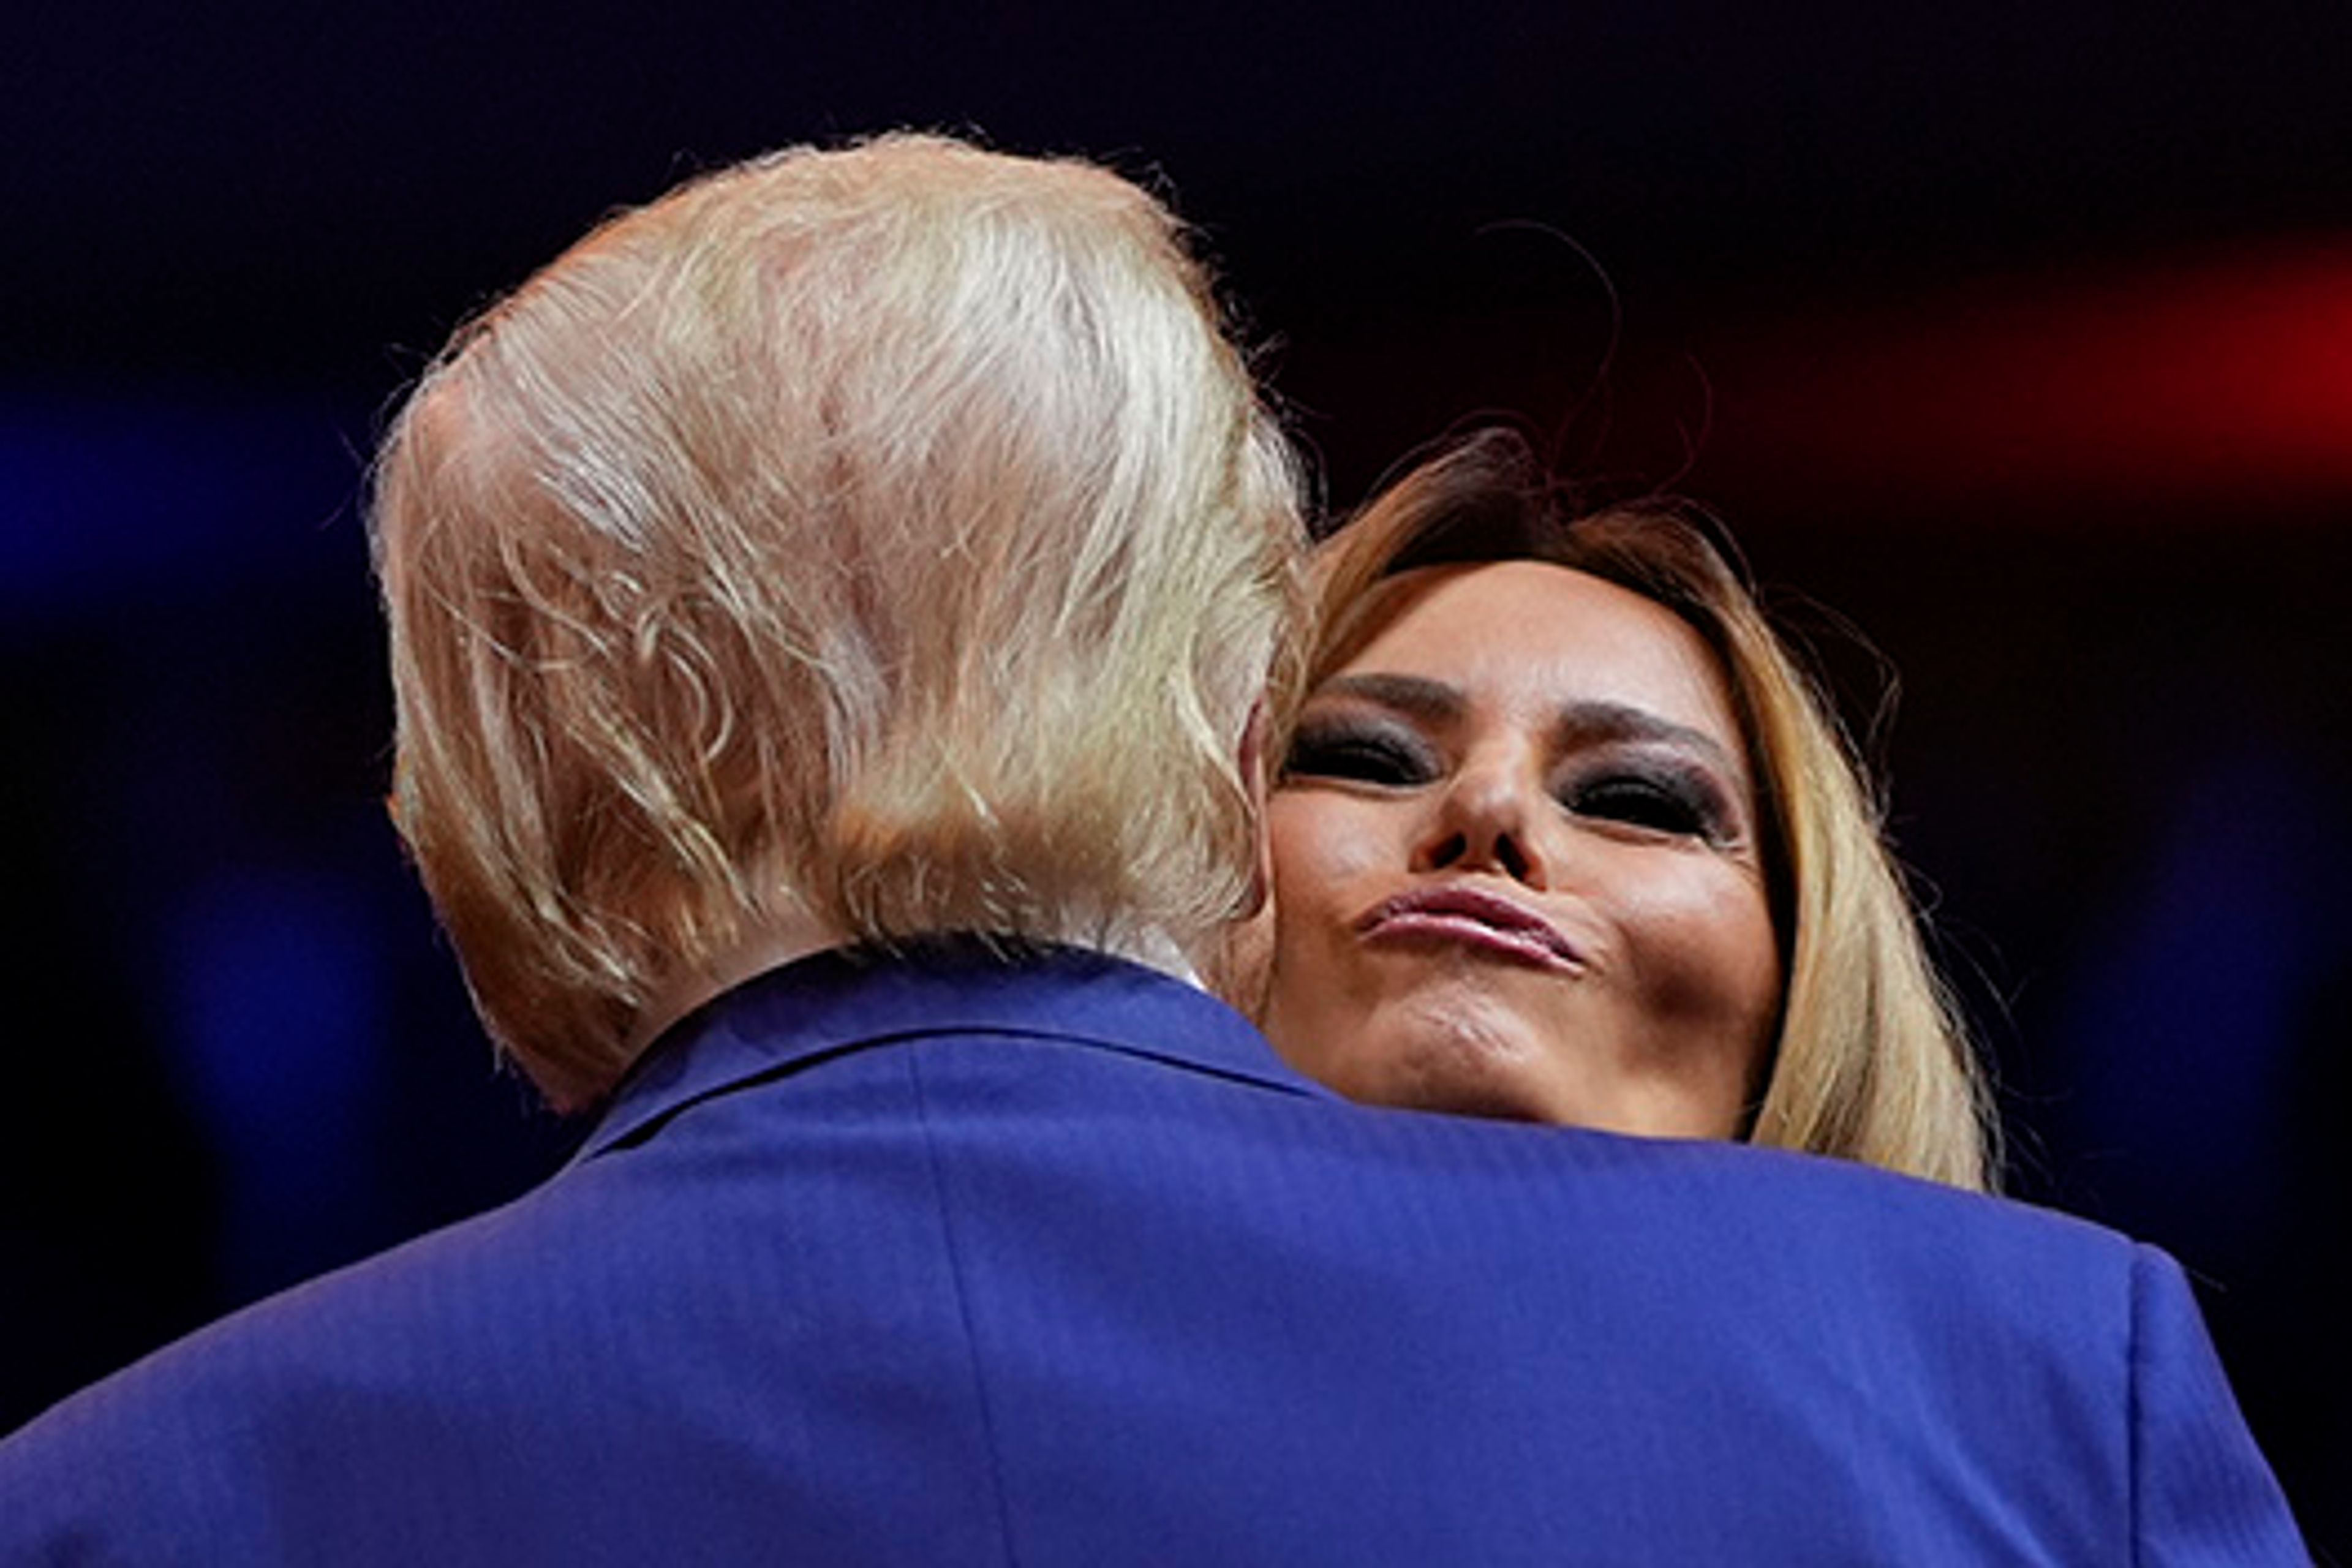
2016, 338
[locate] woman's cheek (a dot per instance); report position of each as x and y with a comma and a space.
1707, 946
1318, 846
1360, 840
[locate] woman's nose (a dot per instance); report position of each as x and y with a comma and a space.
1488, 819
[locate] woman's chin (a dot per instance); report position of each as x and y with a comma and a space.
1472, 1063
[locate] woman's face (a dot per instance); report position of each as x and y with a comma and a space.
1516, 869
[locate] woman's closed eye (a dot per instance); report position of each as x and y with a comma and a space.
1666, 802
1359, 753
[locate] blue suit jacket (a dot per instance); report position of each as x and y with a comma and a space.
1054, 1263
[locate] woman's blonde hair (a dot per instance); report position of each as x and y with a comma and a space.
886, 534
1871, 1063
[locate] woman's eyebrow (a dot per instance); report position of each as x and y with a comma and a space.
1593, 721
1433, 701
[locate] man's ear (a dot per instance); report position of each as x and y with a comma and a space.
1257, 781
1236, 963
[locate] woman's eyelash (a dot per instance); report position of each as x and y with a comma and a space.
1362, 756
1663, 802
1663, 799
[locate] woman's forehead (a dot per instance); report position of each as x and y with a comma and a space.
1530, 633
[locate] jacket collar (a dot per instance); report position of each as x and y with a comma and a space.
842, 998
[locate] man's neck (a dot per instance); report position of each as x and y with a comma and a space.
781, 942
1157, 950
773, 945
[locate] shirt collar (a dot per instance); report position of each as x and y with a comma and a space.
846, 997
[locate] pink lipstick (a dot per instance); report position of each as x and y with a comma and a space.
1471, 919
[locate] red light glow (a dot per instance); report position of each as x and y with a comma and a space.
2226, 381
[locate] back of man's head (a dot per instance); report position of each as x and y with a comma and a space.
886, 537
